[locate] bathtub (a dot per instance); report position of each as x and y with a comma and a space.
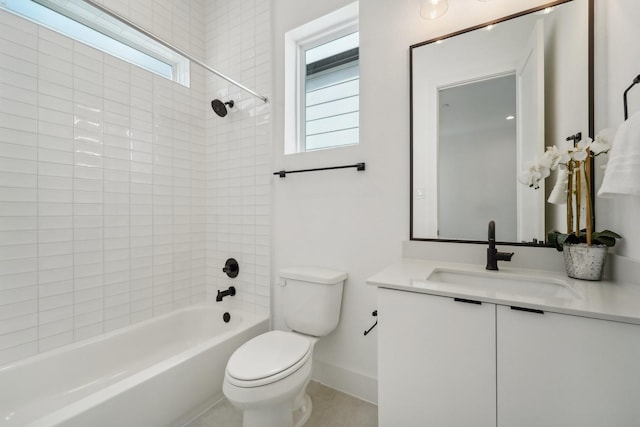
160, 372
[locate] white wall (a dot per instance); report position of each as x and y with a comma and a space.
102, 183
356, 221
337, 219
473, 189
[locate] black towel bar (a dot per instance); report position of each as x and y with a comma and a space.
358, 166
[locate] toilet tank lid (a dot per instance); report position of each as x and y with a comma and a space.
313, 274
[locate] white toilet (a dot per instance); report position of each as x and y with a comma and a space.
267, 376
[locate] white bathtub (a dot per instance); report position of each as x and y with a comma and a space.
156, 373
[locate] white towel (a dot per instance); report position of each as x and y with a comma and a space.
622, 174
558, 195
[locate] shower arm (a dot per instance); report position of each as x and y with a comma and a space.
173, 48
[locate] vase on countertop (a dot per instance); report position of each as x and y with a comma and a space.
584, 262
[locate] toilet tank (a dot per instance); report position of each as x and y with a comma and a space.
312, 297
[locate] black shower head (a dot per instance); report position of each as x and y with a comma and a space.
219, 107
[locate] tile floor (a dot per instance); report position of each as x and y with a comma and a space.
331, 408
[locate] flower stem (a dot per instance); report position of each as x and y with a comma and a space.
587, 180
570, 198
578, 185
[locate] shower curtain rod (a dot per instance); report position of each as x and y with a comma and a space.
173, 48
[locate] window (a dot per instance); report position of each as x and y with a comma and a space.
322, 83
84, 23
332, 94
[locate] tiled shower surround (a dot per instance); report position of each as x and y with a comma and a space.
121, 193
238, 42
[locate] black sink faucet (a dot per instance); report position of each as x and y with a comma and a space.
229, 292
493, 256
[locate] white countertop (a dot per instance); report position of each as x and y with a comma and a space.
605, 300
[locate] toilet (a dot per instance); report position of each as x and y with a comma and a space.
267, 376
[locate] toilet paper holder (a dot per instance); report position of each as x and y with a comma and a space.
374, 314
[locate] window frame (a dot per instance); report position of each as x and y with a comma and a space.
327, 28
90, 20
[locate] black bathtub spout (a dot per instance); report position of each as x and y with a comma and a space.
229, 292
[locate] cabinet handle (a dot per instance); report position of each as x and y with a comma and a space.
528, 310
468, 301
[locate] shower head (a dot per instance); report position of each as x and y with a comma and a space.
219, 107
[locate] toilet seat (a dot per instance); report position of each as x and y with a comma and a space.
267, 358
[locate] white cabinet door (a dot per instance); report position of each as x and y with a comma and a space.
436, 361
557, 370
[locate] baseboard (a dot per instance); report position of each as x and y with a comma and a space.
347, 381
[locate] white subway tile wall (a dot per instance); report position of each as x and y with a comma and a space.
238, 41
120, 193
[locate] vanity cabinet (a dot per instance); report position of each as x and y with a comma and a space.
436, 361
445, 362
557, 370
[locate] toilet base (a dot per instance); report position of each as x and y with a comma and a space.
271, 416
279, 415
303, 412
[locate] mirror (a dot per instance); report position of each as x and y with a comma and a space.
484, 101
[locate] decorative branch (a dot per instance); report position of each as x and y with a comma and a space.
570, 198
587, 174
578, 193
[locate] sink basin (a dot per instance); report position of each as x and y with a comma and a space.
503, 283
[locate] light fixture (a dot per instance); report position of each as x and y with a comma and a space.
432, 9
510, 117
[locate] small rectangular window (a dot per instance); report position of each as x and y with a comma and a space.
322, 82
332, 94
84, 23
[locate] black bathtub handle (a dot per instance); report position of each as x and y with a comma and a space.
231, 267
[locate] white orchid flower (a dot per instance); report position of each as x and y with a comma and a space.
581, 151
602, 142
533, 173
572, 180
555, 157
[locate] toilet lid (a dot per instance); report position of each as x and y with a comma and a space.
267, 355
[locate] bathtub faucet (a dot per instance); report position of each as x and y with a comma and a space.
229, 292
